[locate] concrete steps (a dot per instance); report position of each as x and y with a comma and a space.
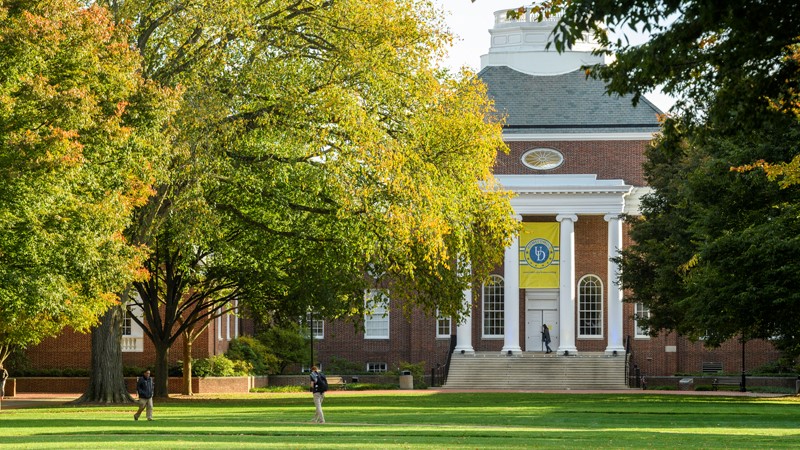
536, 371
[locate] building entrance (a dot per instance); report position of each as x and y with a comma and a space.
541, 308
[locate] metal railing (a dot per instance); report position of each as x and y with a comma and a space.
633, 375
439, 373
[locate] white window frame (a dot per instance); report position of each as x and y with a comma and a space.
236, 319
596, 313
219, 328
377, 367
318, 328
132, 333
376, 319
640, 311
228, 326
494, 316
443, 323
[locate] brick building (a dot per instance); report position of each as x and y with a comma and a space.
73, 350
575, 165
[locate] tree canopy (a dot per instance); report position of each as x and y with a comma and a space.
716, 248
315, 143
79, 129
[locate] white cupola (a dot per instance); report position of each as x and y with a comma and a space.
521, 45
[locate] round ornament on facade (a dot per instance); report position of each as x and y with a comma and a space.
542, 158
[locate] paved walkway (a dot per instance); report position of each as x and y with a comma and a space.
36, 400
28, 400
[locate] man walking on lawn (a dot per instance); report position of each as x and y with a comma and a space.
144, 387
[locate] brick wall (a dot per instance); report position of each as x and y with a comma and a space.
209, 385
413, 340
608, 159
72, 350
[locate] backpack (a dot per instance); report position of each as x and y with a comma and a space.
322, 383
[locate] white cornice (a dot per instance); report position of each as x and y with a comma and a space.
565, 194
521, 137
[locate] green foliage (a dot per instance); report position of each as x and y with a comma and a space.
78, 141
782, 367
716, 250
279, 389
254, 352
342, 366
417, 371
220, 366
287, 343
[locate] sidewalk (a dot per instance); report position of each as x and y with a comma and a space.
26, 400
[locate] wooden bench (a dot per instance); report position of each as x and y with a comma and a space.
729, 381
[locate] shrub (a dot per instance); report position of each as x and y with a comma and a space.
344, 367
253, 351
220, 366
287, 343
781, 367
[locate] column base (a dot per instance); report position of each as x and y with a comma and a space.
567, 351
615, 351
514, 351
463, 351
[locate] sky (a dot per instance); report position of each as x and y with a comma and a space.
470, 22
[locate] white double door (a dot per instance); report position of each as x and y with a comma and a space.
541, 307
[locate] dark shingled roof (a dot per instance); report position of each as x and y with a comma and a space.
567, 103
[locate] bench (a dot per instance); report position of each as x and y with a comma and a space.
729, 381
711, 367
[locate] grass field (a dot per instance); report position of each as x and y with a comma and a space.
417, 419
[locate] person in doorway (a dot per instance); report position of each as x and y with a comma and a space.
546, 337
144, 388
319, 396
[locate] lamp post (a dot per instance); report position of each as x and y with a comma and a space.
743, 384
311, 336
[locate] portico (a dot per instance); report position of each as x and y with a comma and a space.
566, 198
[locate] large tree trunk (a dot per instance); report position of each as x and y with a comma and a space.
187, 364
106, 380
161, 382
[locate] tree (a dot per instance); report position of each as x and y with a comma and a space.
324, 145
183, 294
78, 128
716, 248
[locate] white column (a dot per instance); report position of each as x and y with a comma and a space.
614, 290
464, 328
511, 296
566, 285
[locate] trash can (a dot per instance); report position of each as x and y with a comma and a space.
406, 380
686, 384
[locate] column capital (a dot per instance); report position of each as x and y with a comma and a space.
610, 217
562, 217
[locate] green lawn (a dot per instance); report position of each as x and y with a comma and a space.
417, 419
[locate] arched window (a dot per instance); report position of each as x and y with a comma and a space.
494, 307
590, 307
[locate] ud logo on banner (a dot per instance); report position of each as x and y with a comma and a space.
539, 258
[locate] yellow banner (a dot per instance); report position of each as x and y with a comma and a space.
539, 255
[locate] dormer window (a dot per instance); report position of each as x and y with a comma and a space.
542, 158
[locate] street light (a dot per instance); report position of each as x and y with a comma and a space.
743, 384
311, 336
